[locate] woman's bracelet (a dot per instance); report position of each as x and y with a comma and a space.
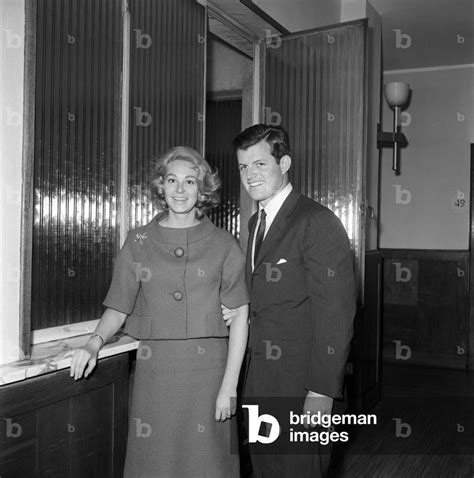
100, 337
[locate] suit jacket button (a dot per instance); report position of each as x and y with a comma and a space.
178, 296
253, 314
179, 252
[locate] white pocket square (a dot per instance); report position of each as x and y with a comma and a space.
281, 261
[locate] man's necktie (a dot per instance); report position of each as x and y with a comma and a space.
259, 235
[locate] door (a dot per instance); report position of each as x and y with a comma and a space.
313, 83
223, 122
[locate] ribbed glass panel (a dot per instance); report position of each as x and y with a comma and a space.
223, 124
315, 87
77, 158
167, 52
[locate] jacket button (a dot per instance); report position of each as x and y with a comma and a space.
177, 295
253, 314
179, 252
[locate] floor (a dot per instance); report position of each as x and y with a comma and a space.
425, 428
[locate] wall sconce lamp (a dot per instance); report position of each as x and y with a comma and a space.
396, 95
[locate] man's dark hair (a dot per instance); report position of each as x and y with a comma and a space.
275, 136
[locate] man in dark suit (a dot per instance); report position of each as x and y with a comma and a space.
302, 300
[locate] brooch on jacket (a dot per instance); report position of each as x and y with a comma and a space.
140, 238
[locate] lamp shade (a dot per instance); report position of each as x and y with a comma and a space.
396, 93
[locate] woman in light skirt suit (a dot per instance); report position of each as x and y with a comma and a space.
170, 279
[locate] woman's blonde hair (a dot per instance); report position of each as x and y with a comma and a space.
208, 181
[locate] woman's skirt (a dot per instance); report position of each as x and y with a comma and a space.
172, 429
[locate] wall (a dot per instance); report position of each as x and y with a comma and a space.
427, 205
227, 69
424, 211
432, 50
352, 9
11, 101
419, 209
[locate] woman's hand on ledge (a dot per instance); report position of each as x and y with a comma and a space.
84, 359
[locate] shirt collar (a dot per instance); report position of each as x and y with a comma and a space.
272, 208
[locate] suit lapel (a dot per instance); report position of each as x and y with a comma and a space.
277, 228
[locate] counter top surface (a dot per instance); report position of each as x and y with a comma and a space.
56, 355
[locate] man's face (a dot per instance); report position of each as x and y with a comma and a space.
261, 176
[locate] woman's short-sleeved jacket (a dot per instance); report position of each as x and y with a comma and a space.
172, 281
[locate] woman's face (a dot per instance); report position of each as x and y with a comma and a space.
181, 186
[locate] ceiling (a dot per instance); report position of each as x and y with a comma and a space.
432, 26
237, 24
416, 33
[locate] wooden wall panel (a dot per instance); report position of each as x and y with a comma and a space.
364, 368
426, 304
55, 426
